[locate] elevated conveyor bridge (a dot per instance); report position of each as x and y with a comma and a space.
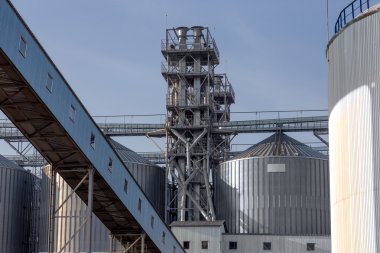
39, 102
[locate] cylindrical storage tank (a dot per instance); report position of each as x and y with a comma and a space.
15, 207
151, 179
354, 134
278, 186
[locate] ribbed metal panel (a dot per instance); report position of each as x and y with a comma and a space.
15, 207
354, 130
72, 214
281, 195
150, 177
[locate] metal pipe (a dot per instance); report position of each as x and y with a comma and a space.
193, 200
208, 191
89, 209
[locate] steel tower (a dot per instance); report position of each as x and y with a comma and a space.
196, 99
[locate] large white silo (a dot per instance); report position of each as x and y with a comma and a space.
354, 131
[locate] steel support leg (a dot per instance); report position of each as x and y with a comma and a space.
53, 181
143, 243
89, 209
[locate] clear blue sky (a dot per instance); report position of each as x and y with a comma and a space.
109, 51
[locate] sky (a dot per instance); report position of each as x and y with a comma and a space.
109, 52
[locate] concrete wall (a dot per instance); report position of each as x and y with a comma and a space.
195, 235
280, 244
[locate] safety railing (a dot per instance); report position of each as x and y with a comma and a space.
350, 12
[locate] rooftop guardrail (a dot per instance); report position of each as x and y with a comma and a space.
350, 12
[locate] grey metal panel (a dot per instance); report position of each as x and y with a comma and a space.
15, 207
354, 116
286, 203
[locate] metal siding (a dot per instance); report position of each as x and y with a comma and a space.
285, 203
15, 203
354, 116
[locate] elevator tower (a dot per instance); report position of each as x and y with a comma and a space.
197, 99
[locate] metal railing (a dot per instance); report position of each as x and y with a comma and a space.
350, 12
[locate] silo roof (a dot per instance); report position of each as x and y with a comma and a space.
280, 144
127, 155
5, 163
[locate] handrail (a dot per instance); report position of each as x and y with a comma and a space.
350, 12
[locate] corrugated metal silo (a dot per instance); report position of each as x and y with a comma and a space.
150, 177
15, 207
278, 186
354, 130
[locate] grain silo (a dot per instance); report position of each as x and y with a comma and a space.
15, 207
151, 179
277, 187
354, 128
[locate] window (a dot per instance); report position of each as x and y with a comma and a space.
72, 112
110, 164
22, 46
163, 237
186, 244
174, 249
232, 245
310, 246
152, 222
139, 205
49, 83
126, 186
204, 245
92, 140
267, 246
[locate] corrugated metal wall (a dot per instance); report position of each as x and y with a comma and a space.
252, 200
72, 215
15, 208
279, 244
354, 130
151, 179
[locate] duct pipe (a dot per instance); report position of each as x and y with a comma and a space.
182, 33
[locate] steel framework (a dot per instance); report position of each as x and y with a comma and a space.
196, 99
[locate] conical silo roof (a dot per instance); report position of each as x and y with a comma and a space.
5, 163
280, 144
127, 155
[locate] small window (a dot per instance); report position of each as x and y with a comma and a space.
139, 205
204, 244
310, 246
152, 222
267, 246
72, 112
92, 140
49, 83
232, 245
163, 237
22, 46
174, 249
186, 244
110, 164
126, 186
